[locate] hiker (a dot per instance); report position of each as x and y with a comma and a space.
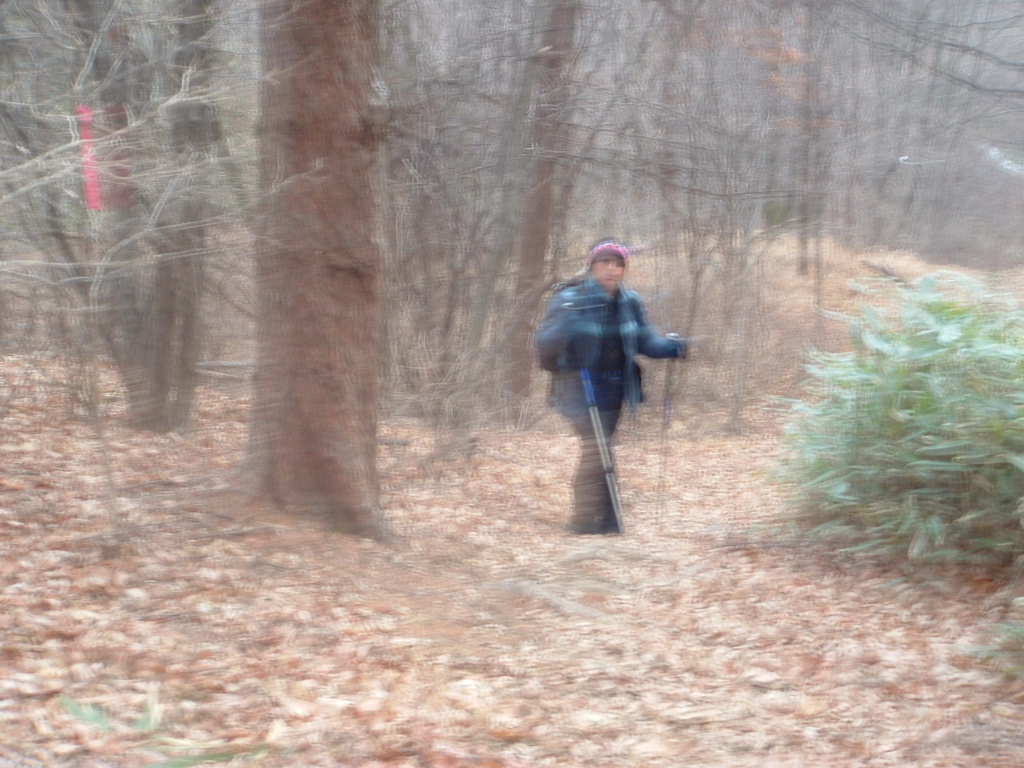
594, 323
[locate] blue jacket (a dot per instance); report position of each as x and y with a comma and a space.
569, 338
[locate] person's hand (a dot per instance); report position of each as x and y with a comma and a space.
682, 346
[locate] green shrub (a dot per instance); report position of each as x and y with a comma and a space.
916, 438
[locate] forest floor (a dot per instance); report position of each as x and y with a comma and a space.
145, 619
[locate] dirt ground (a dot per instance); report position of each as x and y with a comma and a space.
148, 619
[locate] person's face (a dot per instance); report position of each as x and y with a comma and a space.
609, 272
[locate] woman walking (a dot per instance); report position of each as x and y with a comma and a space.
593, 330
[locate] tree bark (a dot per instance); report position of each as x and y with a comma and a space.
313, 441
172, 323
549, 142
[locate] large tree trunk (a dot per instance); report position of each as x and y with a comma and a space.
549, 142
313, 431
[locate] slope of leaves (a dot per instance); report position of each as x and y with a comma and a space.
149, 618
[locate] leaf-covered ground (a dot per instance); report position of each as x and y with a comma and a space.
147, 617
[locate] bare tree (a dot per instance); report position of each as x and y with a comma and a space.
705, 129
313, 431
548, 144
104, 88
946, 89
123, 226
171, 326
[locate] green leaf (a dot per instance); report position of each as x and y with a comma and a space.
210, 757
949, 334
1015, 459
876, 343
185, 762
87, 713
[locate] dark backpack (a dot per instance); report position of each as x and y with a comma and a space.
550, 362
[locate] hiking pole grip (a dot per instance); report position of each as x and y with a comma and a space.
588, 388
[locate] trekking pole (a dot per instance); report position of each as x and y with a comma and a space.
666, 422
666, 409
602, 445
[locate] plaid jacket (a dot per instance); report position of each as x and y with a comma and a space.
570, 335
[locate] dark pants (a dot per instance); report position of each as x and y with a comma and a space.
592, 502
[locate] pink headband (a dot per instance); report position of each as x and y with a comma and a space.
608, 249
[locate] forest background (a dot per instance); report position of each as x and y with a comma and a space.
512, 137
757, 153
